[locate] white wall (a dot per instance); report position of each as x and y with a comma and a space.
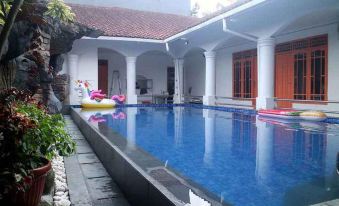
150, 65
116, 61
194, 67
181, 7
88, 67
154, 66
194, 74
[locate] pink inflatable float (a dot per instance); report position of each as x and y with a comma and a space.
96, 99
120, 99
119, 115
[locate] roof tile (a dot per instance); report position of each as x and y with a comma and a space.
121, 22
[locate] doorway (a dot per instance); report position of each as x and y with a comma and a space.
103, 76
170, 82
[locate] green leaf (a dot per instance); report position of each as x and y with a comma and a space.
57, 9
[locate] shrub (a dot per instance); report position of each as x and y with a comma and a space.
27, 133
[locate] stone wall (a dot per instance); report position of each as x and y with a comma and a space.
34, 55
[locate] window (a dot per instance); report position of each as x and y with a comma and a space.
237, 79
300, 76
244, 74
318, 75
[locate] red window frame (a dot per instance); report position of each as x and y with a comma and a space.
245, 74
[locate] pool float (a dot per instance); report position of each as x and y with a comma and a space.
120, 99
97, 118
96, 94
277, 113
93, 99
119, 115
313, 116
293, 114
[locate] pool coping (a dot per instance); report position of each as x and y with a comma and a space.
329, 120
139, 187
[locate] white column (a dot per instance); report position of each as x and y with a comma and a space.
179, 80
209, 136
73, 73
264, 152
209, 98
131, 80
265, 99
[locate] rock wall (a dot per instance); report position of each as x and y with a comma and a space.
35, 49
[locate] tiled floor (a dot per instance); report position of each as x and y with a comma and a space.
88, 181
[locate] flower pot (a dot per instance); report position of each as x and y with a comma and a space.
32, 196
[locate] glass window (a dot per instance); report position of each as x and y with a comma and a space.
318, 75
247, 79
237, 79
300, 76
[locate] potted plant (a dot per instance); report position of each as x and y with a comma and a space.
29, 139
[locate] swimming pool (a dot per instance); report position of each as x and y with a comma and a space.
238, 158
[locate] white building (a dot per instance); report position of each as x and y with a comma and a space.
254, 53
180, 7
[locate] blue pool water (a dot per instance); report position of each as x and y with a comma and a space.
240, 159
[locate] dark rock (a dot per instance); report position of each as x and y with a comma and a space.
56, 62
36, 45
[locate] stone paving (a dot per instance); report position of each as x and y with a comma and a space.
328, 203
88, 181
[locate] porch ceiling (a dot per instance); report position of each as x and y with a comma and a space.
271, 18
276, 16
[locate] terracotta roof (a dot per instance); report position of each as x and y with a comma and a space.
121, 22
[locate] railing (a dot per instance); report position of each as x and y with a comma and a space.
311, 101
156, 97
192, 99
233, 104
235, 98
307, 101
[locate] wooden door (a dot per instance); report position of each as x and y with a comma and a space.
301, 70
284, 79
103, 76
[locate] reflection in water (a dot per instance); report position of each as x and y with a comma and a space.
209, 136
131, 130
178, 121
96, 116
240, 159
264, 153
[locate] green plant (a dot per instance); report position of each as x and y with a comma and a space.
48, 137
57, 9
5, 6
27, 133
